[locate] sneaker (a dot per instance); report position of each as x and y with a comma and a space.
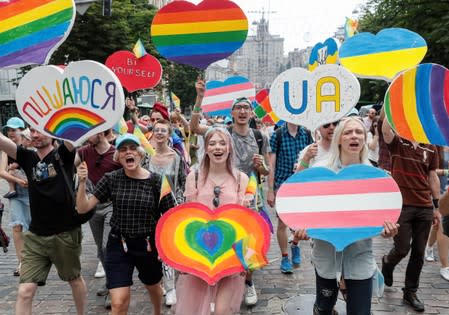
170, 297
10, 194
250, 295
286, 266
429, 254
444, 272
296, 255
108, 302
387, 272
100, 271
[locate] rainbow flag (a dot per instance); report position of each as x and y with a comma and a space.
251, 188
121, 127
246, 251
143, 141
165, 188
139, 49
262, 107
350, 27
175, 99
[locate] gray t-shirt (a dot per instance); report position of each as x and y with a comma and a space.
245, 147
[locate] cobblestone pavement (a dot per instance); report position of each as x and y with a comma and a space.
273, 288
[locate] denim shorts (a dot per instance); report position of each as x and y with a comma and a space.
20, 209
119, 265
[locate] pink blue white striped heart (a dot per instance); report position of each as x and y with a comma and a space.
339, 208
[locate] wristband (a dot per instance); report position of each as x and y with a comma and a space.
436, 203
197, 109
446, 172
304, 164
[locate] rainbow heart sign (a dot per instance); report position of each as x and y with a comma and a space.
417, 104
194, 239
31, 30
324, 53
219, 95
73, 103
198, 35
339, 208
135, 73
311, 99
384, 55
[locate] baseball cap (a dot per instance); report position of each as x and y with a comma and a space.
14, 123
127, 137
353, 112
241, 100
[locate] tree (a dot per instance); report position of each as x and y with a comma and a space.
429, 18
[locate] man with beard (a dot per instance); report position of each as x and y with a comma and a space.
54, 236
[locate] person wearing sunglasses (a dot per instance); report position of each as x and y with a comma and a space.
251, 154
98, 155
318, 151
136, 208
217, 182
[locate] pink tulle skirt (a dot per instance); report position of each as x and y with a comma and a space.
194, 296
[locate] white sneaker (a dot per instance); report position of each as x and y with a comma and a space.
444, 272
100, 271
170, 297
429, 254
250, 295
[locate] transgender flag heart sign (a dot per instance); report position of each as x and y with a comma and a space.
339, 208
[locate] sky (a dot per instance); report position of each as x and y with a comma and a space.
301, 22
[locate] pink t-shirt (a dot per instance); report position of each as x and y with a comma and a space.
230, 190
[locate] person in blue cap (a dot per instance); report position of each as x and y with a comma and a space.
136, 208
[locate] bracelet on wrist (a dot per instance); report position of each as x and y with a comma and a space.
446, 172
304, 164
436, 203
197, 109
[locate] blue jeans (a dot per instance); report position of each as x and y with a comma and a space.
358, 300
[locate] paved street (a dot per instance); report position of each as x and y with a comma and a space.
274, 288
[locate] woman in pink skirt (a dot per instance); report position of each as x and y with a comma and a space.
217, 182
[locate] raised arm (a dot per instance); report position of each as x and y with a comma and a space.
387, 132
195, 125
8, 146
83, 202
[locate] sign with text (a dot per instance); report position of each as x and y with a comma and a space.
311, 99
72, 103
135, 73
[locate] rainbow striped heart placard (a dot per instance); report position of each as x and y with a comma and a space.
417, 104
219, 95
339, 208
198, 35
31, 30
72, 103
194, 239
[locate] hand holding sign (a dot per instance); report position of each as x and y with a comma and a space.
312, 99
71, 104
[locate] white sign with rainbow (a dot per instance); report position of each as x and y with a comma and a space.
72, 103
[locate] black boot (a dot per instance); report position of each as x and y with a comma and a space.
411, 299
387, 271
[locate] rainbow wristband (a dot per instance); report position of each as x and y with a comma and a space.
304, 164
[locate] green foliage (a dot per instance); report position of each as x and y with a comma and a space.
95, 37
429, 18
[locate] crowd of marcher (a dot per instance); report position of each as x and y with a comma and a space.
114, 184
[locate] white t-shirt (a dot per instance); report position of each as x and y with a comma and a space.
373, 155
321, 156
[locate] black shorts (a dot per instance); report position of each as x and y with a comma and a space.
119, 265
445, 223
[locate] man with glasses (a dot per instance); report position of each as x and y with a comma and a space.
251, 149
285, 143
98, 155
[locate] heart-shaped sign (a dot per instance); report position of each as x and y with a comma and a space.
198, 35
417, 102
195, 239
219, 95
312, 99
339, 208
262, 107
135, 73
73, 103
324, 53
384, 55
30, 31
